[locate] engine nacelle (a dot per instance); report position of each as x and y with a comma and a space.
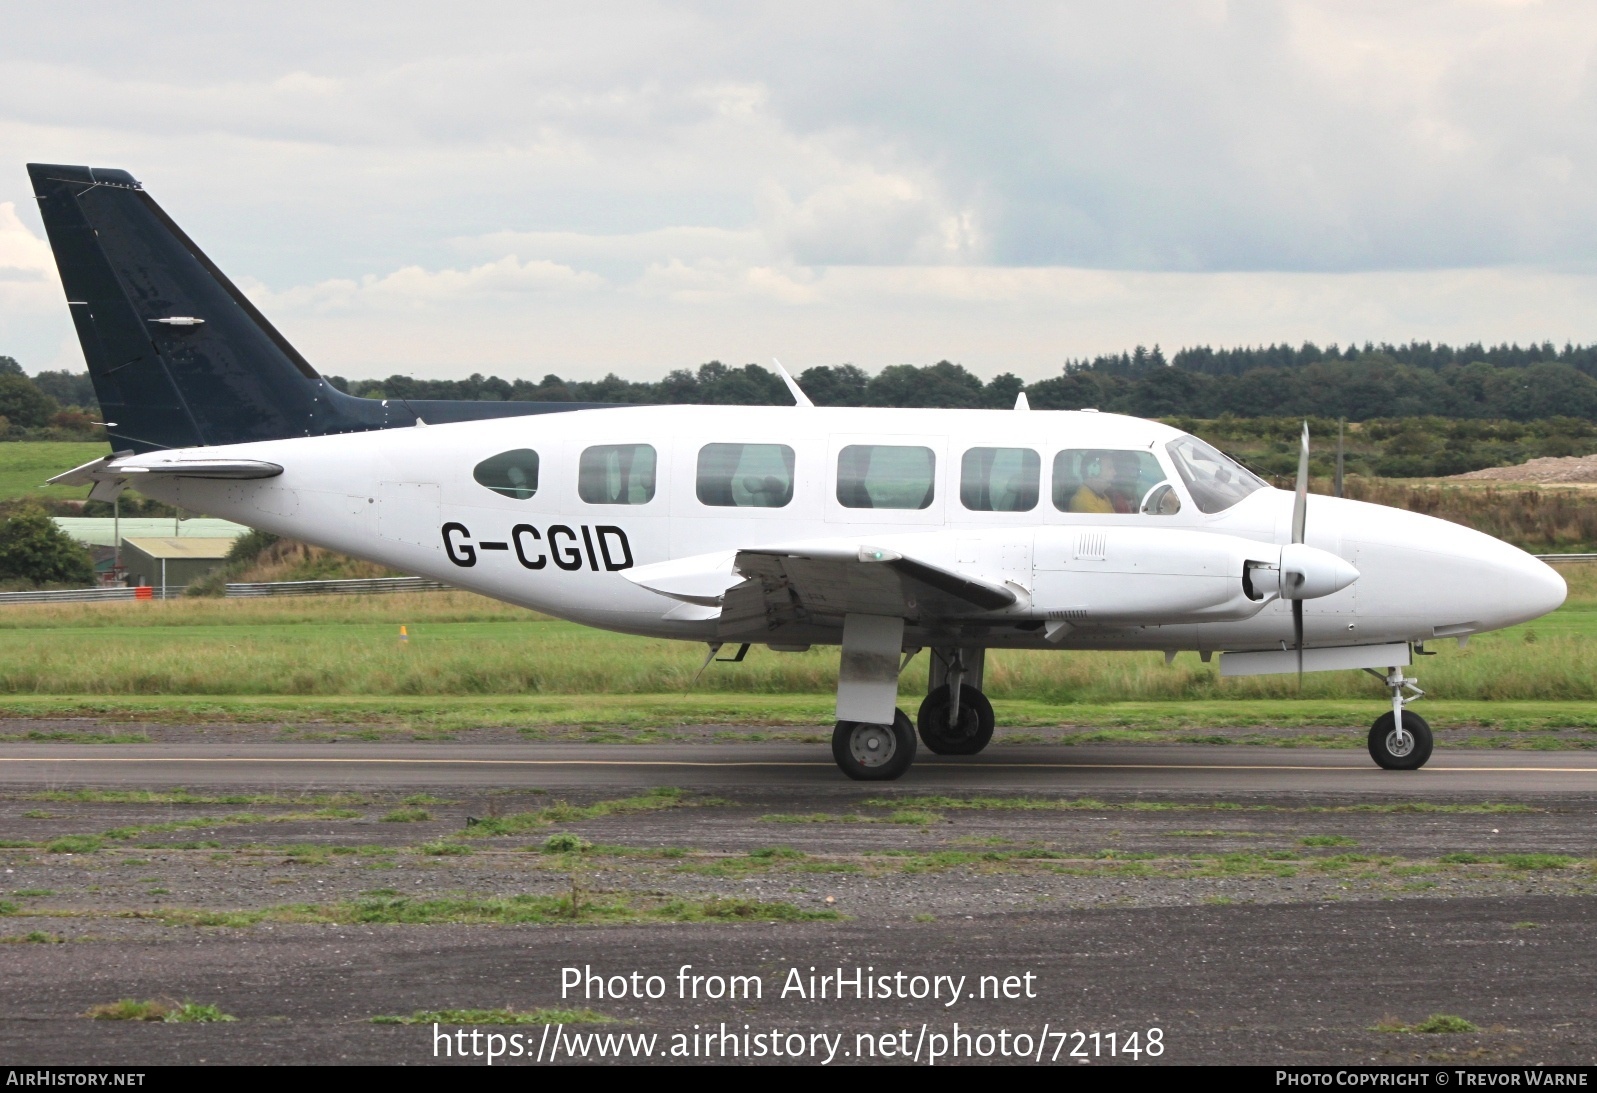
1144, 576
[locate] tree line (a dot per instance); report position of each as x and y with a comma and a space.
1365, 383
1358, 383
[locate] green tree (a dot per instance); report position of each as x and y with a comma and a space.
9, 366
67, 388
24, 404
33, 549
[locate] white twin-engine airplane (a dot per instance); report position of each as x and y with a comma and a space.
883, 531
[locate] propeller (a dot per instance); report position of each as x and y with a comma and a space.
1300, 512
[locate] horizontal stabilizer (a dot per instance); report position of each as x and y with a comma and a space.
110, 475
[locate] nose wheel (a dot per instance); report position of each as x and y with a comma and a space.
1406, 750
1400, 740
874, 753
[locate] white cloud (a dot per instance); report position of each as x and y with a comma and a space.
23, 256
647, 185
413, 287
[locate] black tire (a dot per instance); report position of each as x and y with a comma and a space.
974, 731
874, 753
1380, 744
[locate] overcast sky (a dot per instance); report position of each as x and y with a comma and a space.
524, 188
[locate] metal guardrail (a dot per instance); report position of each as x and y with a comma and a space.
1566, 557
81, 595
336, 588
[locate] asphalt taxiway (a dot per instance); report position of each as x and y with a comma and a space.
1087, 769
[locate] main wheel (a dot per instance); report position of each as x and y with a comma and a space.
874, 753
972, 733
1412, 753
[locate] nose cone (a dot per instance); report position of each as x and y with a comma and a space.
1421, 577
1502, 584
1545, 588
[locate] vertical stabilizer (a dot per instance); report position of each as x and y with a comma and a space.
178, 355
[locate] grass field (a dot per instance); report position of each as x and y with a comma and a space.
470, 662
25, 466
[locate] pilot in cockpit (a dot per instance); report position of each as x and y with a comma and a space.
1097, 482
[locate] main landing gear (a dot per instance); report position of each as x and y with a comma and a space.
1400, 740
954, 719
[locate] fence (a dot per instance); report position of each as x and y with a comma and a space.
337, 588
83, 595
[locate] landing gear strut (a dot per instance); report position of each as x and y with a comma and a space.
956, 718
1400, 740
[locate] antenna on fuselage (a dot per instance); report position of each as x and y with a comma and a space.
1020, 401
799, 397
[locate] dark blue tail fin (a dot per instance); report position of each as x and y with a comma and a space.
179, 356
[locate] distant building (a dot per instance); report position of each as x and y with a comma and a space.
171, 563
102, 530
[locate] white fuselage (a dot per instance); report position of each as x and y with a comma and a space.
389, 496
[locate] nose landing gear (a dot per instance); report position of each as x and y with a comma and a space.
1400, 740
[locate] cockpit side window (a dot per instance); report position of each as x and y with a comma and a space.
745, 475
616, 474
511, 474
1104, 480
1214, 479
999, 479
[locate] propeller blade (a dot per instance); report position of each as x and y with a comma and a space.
1300, 503
1300, 516
1297, 636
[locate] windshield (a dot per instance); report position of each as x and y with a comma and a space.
1215, 480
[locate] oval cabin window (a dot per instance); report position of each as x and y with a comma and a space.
513, 474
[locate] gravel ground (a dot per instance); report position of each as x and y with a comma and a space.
1251, 928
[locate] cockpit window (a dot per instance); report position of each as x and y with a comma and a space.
616, 474
513, 474
758, 476
1215, 480
1104, 480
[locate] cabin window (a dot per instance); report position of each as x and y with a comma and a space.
886, 476
616, 474
513, 474
1214, 479
999, 479
1104, 481
745, 476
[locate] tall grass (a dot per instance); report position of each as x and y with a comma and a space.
1546, 520
461, 644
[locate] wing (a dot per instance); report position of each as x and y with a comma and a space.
762, 588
